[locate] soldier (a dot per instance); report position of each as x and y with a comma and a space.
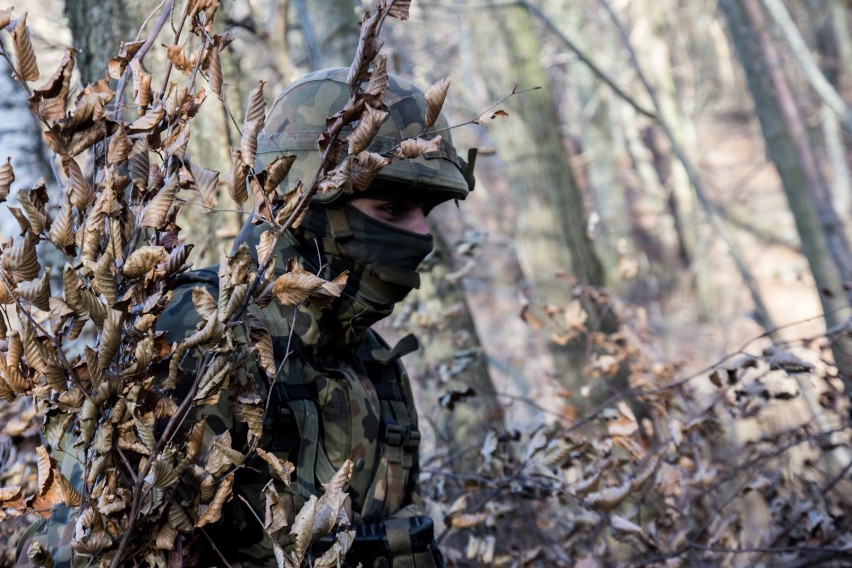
341, 393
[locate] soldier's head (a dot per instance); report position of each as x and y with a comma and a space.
380, 234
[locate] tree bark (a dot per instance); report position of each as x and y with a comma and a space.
788, 149
552, 215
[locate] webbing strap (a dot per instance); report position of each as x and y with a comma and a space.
307, 421
338, 223
415, 560
398, 535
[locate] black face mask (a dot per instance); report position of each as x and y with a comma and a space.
382, 261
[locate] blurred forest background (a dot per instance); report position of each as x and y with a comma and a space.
652, 276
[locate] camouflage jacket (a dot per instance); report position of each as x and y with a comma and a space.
328, 403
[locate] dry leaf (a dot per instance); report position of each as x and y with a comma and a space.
236, 178
275, 516
282, 469
21, 262
400, 9
7, 176
276, 171
177, 55
82, 195
214, 511
204, 303
416, 147
368, 125
148, 121
207, 184
120, 147
141, 85
623, 527
214, 71
139, 163
435, 96
142, 260
25, 66
156, 211
294, 287
609, 498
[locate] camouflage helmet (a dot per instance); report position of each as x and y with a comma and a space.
298, 116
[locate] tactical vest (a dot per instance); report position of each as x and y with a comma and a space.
327, 406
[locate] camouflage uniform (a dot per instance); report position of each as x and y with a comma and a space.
340, 392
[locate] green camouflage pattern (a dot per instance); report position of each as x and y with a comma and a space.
349, 412
298, 116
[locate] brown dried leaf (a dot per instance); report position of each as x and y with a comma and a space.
90, 104
110, 339
7, 176
266, 247
25, 66
294, 287
148, 121
275, 516
21, 262
12, 492
33, 203
37, 291
329, 290
120, 147
139, 163
207, 184
61, 233
483, 119
256, 109
378, 83
435, 96
156, 211
204, 302
82, 195
236, 178
142, 260
249, 409
282, 469
72, 287
248, 143
212, 382
141, 85
161, 475
609, 498
145, 429
623, 527
214, 72
367, 166
262, 345
45, 469
399, 9
416, 147
105, 277
368, 125
302, 529
177, 55
214, 511
5, 17
277, 171
166, 537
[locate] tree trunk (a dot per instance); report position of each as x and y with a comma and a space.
552, 221
783, 136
